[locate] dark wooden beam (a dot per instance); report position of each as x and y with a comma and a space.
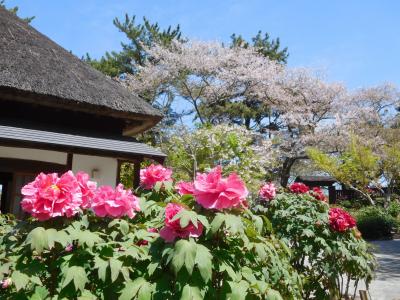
136, 171
29, 166
119, 165
70, 158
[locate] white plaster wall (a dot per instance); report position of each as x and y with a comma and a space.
33, 154
106, 168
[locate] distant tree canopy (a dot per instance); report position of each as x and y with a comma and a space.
14, 10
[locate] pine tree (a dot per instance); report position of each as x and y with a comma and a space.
133, 53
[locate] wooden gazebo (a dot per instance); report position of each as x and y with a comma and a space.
320, 181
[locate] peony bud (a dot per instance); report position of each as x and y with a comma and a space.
6, 283
69, 248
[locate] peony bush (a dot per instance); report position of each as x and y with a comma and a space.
327, 249
206, 239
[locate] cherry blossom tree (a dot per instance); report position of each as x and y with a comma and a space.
300, 108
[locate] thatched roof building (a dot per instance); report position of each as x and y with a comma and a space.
57, 113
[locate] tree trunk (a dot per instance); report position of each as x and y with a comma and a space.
286, 168
365, 195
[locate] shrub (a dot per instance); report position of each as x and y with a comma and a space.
375, 223
394, 208
324, 249
193, 240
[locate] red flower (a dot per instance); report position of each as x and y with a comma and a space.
318, 194
173, 229
340, 220
298, 188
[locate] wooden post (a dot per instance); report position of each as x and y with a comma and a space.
70, 158
118, 179
363, 295
136, 172
332, 194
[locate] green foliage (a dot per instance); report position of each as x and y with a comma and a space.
14, 10
322, 257
376, 222
133, 53
394, 209
233, 147
265, 46
357, 167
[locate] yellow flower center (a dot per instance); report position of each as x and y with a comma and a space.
55, 187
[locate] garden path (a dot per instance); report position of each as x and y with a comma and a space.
386, 286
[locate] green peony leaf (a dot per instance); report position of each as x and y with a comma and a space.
101, 266
77, 275
40, 293
20, 280
191, 293
239, 290
87, 295
60, 237
131, 288
145, 291
204, 262
89, 238
115, 266
184, 253
217, 222
273, 295
37, 238
124, 226
234, 224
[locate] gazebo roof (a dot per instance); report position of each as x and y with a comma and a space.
316, 180
35, 69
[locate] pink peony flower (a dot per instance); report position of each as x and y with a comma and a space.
115, 203
185, 188
213, 191
51, 196
318, 194
6, 283
268, 191
340, 220
298, 188
153, 174
173, 229
88, 188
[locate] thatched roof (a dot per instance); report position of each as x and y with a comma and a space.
36, 69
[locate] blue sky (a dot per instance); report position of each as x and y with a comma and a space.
355, 42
